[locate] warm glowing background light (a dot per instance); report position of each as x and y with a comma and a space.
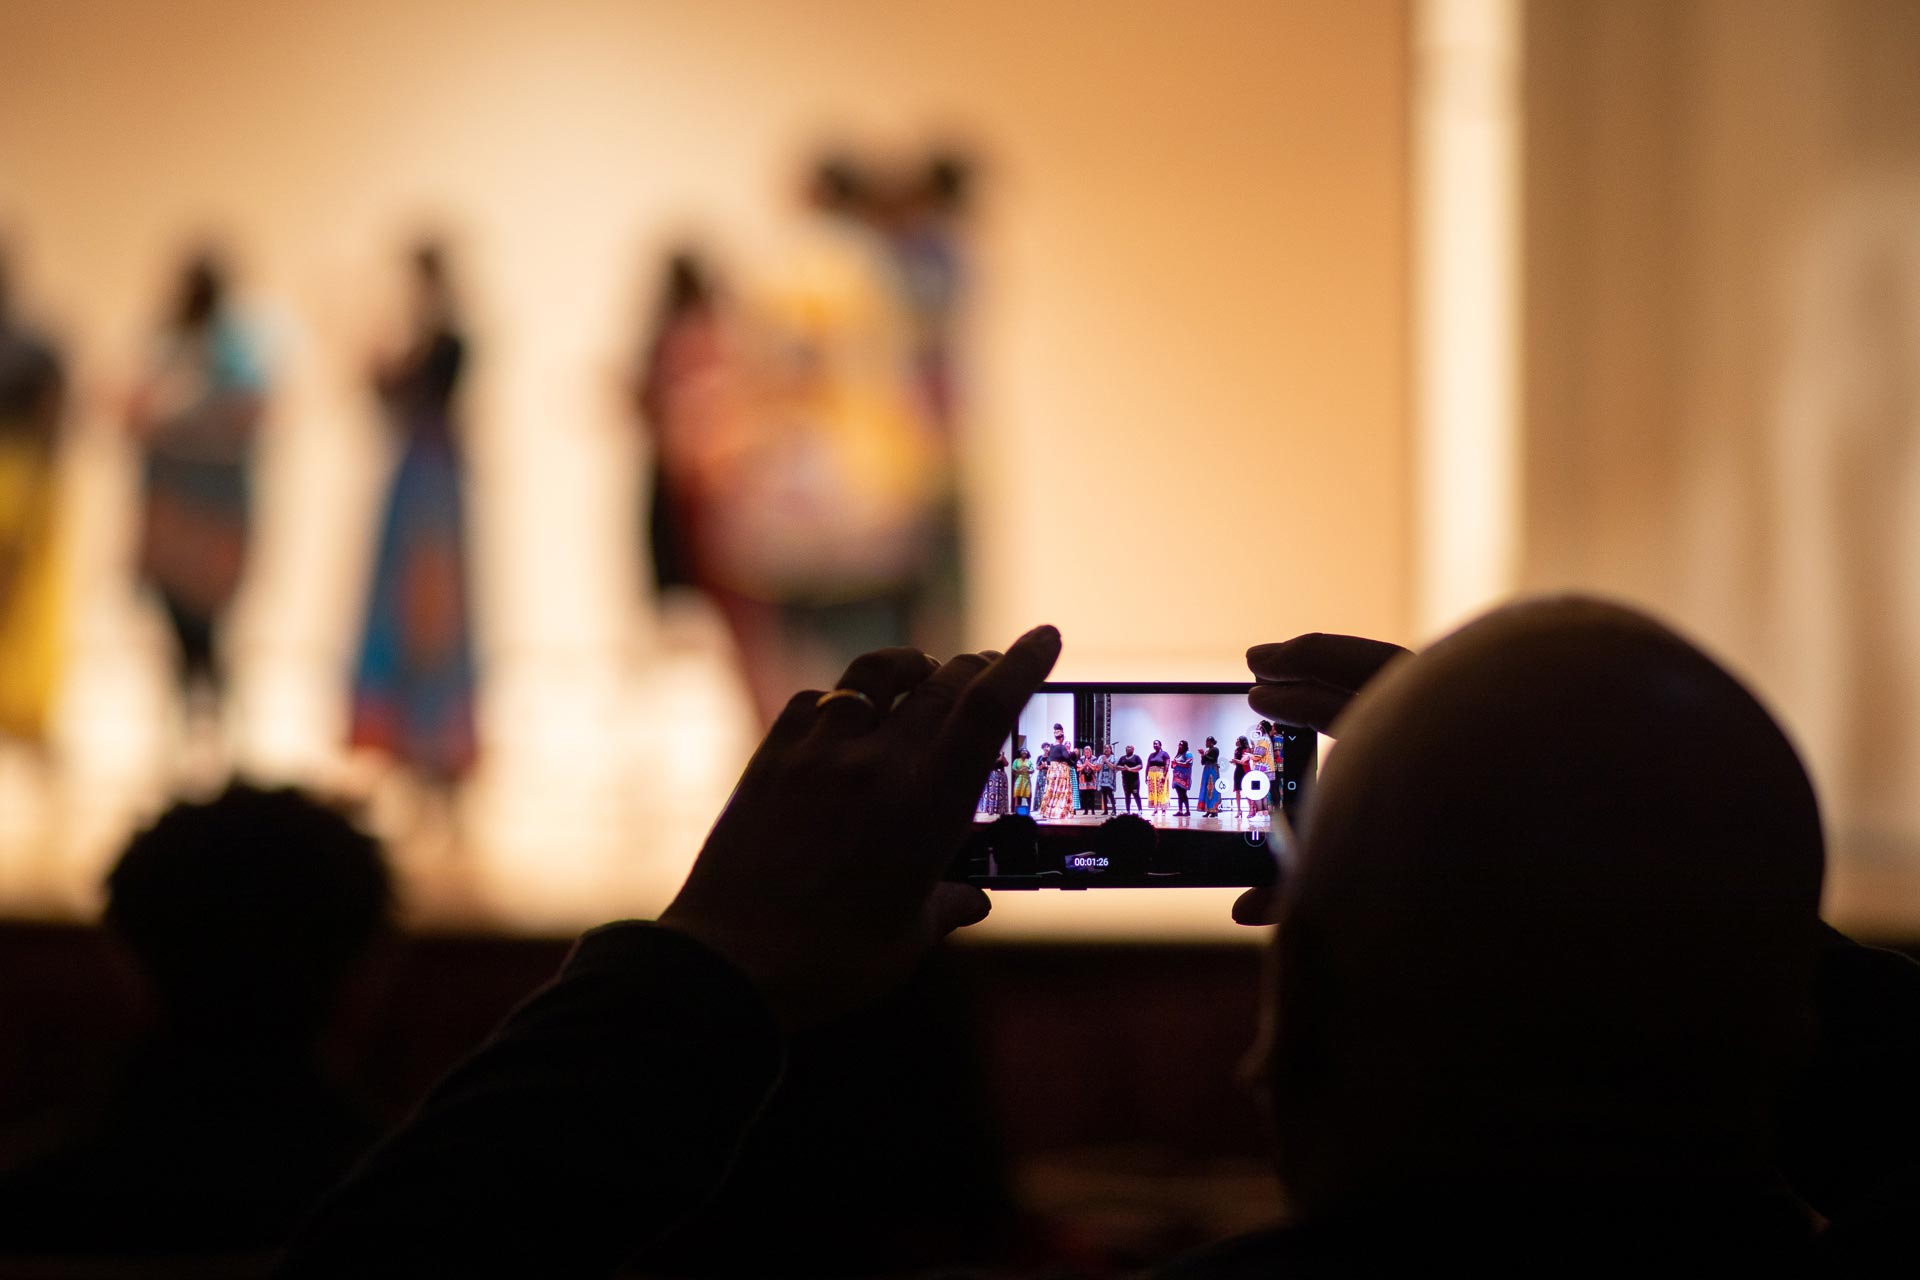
1190, 331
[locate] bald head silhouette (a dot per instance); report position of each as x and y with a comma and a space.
1554, 919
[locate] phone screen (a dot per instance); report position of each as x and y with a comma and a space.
1138, 785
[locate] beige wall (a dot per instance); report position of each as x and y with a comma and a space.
1191, 330
1723, 352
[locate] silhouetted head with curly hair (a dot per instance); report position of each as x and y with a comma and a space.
249, 912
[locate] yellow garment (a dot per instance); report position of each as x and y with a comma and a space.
828, 491
1262, 748
29, 590
1156, 786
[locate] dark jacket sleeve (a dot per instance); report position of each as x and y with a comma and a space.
1852, 1124
603, 1111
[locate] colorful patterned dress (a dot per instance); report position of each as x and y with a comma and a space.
994, 798
1210, 778
31, 385
1260, 748
198, 494
1022, 785
1088, 773
1057, 802
413, 691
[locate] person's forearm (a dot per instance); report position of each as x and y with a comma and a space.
598, 1116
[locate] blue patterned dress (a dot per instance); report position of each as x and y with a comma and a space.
413, 690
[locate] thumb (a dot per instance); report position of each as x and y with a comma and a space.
955, 906
1258, 906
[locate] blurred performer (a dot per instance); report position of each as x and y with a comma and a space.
1022, 781
32, 394
824, 509
994, 798
1210, 779
413, 689
1057, 801
685, 394
196, 412
926, 225
1157, 762
1104, 779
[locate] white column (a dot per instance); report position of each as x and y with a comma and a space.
1466, 252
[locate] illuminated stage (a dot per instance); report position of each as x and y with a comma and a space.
1169, 821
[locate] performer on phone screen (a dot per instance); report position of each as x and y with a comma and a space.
994, 798
1089, 771
1182, 777
1129, 766
1105, 777
1260, 751
1057, 800
1210, 780
1157, 762
1022, 781
1242, 761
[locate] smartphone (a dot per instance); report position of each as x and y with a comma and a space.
1111, 786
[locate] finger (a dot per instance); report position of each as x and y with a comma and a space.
1257, 906
926, 708
988, 706
985, 714
885, 674
882, 676
955, 906
1315, 706
793, 723
1344, 662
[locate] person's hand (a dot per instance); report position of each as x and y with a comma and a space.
1307, 681
822, 879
